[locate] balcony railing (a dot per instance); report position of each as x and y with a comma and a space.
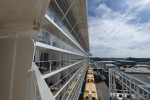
51, 14
52, 65
75, 86
36, 86
48, 38
57, 86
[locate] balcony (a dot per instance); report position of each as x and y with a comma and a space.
46, 67
56, 19
59, 85
75, 86
48, 38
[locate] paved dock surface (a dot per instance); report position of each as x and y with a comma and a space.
101, 87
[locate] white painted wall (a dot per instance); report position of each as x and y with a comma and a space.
16, 55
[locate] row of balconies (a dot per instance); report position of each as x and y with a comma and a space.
57, 86
46, 67
56, 19
56, 83
73, 92
69, 84
48, 38
61, 81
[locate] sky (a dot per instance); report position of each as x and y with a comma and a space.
119, 28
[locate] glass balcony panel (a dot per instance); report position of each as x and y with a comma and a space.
55, 65
61, 25
43, 66
44, 37
47, 38
52, 65
63, 63
58, 85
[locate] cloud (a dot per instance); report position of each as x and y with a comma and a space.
122, 32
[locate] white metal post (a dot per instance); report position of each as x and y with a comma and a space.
138, 92
50, 69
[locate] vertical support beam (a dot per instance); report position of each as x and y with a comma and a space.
50, 68
114, 85
135, 92
51, 40
126, 88
143, 94
110, 82
122, 86
138, 92
17, 53
147, 96
130, 89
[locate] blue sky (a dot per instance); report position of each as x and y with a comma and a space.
119, 28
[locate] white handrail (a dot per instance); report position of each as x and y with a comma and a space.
37, 87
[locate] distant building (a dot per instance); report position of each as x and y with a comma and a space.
125, 63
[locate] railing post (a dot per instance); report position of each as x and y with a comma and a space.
130, 88
143, 94
30, 85
123, 88
138, 92
147, 96
110, 81
114, 85
60, 60
50, 66
51, 40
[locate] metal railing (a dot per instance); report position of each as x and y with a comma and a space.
70, 81
130, 85
52, 65
72, 94
36, 86
58, 85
